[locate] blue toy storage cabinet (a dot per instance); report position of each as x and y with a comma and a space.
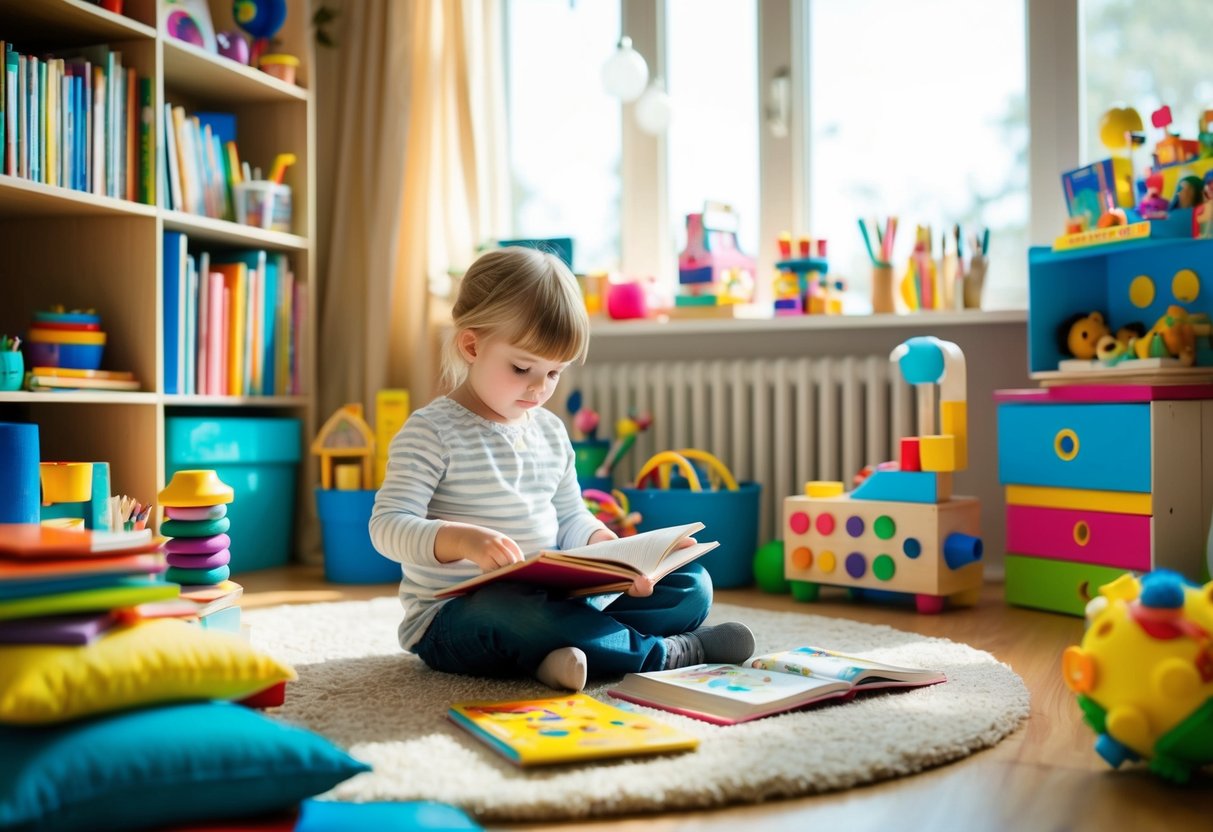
1108, 468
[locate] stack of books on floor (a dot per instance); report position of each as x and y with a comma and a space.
69, 586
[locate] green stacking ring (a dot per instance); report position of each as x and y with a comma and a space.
188, 577
195, 528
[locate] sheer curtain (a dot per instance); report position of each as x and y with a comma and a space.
410, 144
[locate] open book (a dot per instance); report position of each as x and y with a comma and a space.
565, 729
728, 693
609, 566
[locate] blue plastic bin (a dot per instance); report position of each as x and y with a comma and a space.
259, 459
729, 517
349, 556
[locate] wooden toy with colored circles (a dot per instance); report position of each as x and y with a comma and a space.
900, 531
1144, 673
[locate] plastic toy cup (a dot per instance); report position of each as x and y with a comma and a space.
12, 370
882, 289
588, 454
264, 204
280, 66
66, 482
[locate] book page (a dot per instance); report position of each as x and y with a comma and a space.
826, 664
642, 552
752, 686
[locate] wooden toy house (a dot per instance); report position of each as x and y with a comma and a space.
345, 439
712, 263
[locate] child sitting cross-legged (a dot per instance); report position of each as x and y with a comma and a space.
480, 478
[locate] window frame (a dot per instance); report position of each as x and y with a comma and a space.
1054, 87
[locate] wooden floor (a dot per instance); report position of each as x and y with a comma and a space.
1046, 776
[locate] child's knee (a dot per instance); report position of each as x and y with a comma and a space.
697, 582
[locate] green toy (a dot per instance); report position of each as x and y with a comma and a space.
768, 568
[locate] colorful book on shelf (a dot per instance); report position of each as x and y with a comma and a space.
36, 540
609, 566
726, 694
566, 729
235, 284
175, 275
54, 381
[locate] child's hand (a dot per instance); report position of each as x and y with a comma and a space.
642, 587
685, 542
602, 535
486, 548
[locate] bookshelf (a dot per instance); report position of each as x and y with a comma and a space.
70, 247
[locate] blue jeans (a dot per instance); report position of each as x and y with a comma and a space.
507, 628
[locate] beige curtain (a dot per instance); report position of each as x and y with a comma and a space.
411, 152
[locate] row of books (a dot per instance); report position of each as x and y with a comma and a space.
201, 163
233, 322
80, 120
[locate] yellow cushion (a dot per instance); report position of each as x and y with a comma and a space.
151, 662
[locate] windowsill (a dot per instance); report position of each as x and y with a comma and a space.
603, 327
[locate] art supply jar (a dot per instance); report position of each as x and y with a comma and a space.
282, 67
264, 204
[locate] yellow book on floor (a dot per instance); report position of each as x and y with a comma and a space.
565, 729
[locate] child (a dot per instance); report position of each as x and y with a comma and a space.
480, 478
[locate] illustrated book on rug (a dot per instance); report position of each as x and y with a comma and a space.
609, 566
770, 684
565, 729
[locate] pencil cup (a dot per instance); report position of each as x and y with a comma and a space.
975, 281
882, 289
264, 204
12, 370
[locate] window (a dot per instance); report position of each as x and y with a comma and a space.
1134, 56
712, 60
918, 110
564, 130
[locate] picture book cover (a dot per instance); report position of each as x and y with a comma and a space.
769, 684
565, 729
609, 566
37, 540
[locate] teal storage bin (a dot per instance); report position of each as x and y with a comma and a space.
259, 459
729, 517
349, 556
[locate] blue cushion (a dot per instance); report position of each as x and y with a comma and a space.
173, 764
328, 815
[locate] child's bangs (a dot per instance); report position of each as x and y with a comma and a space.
553, 335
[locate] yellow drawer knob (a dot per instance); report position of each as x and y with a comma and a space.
1082, 533
1065, 444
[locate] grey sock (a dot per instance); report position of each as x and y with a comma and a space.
563, 669
729, 643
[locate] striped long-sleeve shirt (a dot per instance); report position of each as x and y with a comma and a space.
448, 464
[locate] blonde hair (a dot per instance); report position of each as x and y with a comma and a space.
528, 298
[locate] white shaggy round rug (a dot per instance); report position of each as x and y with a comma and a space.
388, 709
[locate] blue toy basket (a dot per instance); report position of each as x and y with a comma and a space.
728, 509
349, 555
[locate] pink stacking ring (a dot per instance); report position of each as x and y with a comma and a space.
196, 513
197, 545
210, 561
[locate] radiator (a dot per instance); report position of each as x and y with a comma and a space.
778, 422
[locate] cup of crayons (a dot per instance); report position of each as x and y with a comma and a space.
127, 514
12, 364
265, 203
